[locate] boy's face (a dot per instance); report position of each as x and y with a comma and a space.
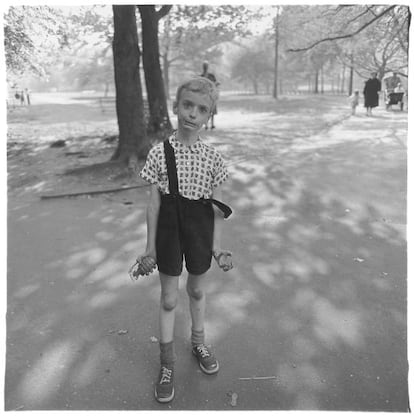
193, 110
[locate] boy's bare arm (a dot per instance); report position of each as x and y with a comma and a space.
152, 219
145, 264
223, 257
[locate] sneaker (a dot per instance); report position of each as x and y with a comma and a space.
206, 359
164, 389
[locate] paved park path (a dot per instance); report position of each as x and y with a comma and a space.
313, 316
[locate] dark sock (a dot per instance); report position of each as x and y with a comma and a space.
167, 353
197, 337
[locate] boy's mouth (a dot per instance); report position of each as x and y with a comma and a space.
190, 124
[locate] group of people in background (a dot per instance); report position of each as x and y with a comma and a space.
372, 89
23, 96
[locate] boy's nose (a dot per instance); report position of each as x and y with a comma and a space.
193, 113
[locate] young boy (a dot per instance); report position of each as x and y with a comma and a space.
183, 221
354, 101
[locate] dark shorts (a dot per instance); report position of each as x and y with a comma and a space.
185, 231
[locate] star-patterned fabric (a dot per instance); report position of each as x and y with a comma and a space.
200, 168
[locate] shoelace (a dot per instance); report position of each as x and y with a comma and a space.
202, 349
165, 375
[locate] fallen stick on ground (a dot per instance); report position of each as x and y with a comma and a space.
92, 192
258, 378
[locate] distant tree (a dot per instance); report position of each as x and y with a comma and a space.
96, 72
133, 142
254, 64
276, 52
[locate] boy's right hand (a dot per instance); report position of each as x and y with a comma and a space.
143, 266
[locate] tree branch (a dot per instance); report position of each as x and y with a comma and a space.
163, 11
367, 10
347, 36
92, 192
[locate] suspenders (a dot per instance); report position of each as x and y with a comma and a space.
171, 167
173, 180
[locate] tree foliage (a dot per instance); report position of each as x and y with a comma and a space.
193, 34
366, 37
31, 35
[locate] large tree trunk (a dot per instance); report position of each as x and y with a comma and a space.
159, 123
166, 68
133, 142
166, 57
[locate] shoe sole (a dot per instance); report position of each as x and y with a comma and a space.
205, 370
164, 399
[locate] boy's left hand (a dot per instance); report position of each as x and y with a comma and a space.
223, 259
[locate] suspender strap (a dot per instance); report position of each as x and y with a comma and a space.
171, 167
227, 211
173, 180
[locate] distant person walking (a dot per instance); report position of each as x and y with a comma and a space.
212, 78
371, 91
27, 93
22, 97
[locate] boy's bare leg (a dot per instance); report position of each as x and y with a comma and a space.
196, 294
203, 353
164, 388
169, 297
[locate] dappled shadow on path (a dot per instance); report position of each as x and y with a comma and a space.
321, 303
317, 300
319, 294
75, 304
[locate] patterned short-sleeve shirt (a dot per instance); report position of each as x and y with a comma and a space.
200, 168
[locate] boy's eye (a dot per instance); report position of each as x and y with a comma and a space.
203, 110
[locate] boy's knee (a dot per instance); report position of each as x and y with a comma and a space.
168, 303
195, 292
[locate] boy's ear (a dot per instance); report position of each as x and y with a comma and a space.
175, 107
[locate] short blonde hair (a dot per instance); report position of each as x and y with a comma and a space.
201, 85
